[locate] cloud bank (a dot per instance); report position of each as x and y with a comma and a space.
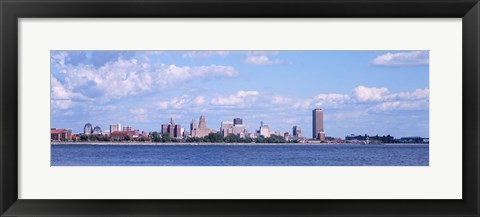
402, 59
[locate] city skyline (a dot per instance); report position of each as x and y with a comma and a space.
373, 92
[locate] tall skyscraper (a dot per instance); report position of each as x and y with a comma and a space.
172, 129
237, 121
296, 131
203, 123
201, 130
164, 129
317, 116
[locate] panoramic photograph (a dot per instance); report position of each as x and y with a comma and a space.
239, 108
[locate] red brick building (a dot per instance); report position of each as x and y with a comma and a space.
121, 135
60, 135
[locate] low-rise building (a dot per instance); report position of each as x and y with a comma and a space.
121, 135
60, 135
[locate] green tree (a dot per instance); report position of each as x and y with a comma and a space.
156, 137
276, 139
97, 138
213, 138
194, 139
127, 138
83, 137
260, 139
166, 137
232, 138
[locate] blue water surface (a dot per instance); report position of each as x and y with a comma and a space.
240, 155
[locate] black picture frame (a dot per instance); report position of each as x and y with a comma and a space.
12, 10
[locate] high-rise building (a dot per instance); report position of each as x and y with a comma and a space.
237, 121
115, 127
177, 131
88, 129
201, 130
317, 130
164, 129
240, 130
193, 127
236, 127
226, 128
203, 123
296, 131
172, 129
264, 130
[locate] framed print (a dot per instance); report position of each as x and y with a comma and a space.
180, 108
147, 78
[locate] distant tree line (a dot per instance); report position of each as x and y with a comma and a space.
100, 138
383, 139
232, 138
210, 138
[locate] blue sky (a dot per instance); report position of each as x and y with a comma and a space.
373, 92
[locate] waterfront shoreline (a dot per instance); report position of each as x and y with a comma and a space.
213, 144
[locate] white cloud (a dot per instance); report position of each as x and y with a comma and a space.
247, 93
401, 105
366, 98
415, 95
260, 60
59, 58
122, 77
364, 94
321, 100
59, 92
199, 100
331, 100
175, 103
401, 59
61, 97
112, 80
303, 104
236, 99
171, 75
333, 97
182, 102
61, 104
